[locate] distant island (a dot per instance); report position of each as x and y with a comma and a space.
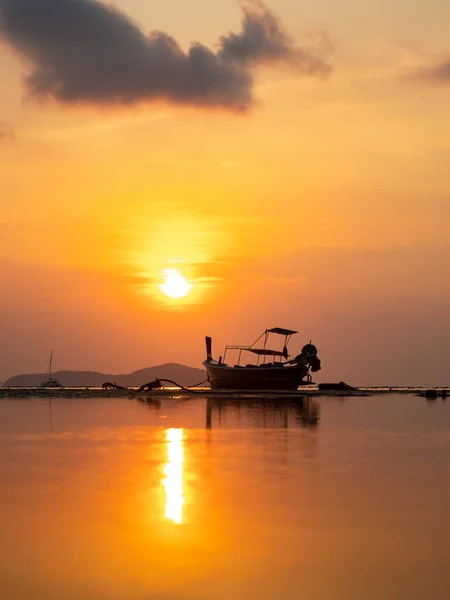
182, 374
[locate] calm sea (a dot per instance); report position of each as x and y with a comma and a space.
329, 499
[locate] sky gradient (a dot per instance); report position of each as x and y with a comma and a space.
316, 196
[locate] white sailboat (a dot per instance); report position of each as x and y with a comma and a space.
51, 383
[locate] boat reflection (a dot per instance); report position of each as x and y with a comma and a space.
173, 471
234, 412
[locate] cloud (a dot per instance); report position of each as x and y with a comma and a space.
438, 73
83, 51
6, 131
263, 39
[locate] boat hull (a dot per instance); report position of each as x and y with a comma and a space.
223, 377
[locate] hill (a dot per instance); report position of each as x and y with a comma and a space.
180, 373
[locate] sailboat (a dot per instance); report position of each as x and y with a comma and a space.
51, 383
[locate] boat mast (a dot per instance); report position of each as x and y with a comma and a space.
50, 366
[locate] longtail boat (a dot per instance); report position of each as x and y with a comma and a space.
274, 369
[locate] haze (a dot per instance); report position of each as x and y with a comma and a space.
298, 179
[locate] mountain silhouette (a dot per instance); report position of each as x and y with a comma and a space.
180, 373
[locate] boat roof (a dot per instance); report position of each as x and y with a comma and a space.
281, 331
264, 352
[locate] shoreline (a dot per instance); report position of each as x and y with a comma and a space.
132, 393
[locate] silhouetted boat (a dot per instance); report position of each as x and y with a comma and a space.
279, 374
51, 383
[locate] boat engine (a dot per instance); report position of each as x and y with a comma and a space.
309, 357
309, 353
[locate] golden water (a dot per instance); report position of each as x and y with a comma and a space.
333, 499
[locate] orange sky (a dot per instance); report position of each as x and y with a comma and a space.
324, 208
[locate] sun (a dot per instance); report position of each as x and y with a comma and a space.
175, 285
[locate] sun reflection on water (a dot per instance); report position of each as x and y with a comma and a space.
173, 471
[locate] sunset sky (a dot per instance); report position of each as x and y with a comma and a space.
290, 161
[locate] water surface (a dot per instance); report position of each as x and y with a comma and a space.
331, 498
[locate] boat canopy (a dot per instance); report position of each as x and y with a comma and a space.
265, 352
287, 333
281, 331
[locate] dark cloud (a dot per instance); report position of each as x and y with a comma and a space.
86, 51
438, 73
6, 131
263, 39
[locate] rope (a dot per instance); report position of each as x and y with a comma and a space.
153, 385
185, 389
199, 384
